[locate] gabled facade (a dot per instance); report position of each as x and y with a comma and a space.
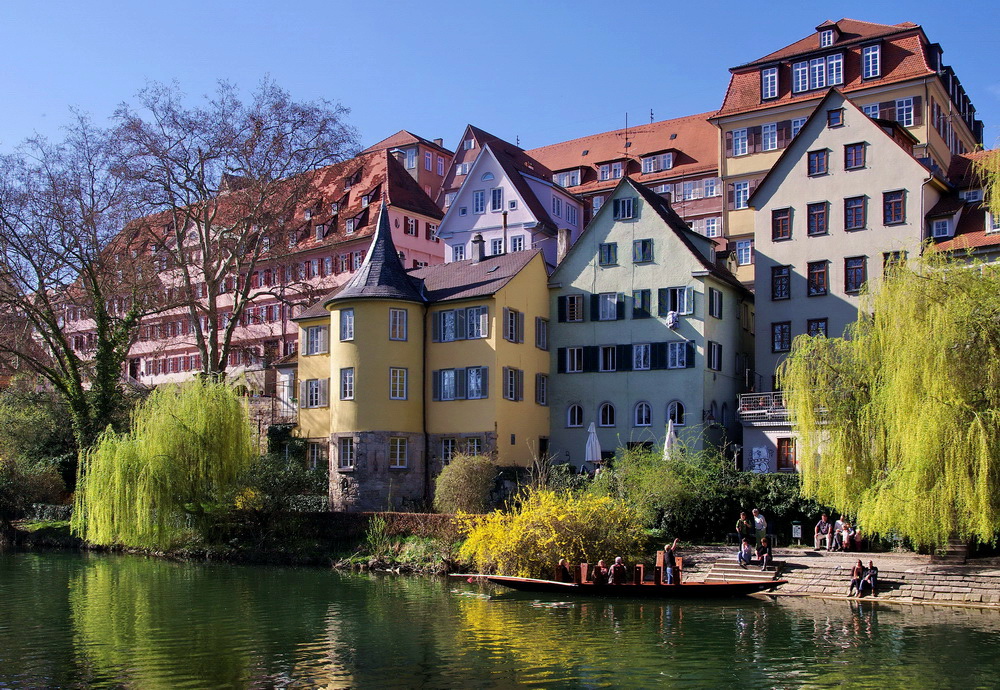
676, 158
321, 247
511, 202
890, 71
844, 200
647, 329
426, 161
400, 370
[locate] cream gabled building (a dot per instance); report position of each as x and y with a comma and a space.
845, 199
890, 71
400, 370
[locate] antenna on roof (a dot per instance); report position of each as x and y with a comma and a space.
626, 130
517, 140
650, 116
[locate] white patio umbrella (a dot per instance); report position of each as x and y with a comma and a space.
670, 442
593, 451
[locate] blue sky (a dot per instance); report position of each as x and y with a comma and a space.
540, 72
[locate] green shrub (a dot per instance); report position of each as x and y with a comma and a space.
23, 483
465, 485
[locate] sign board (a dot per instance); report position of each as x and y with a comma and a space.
796, 531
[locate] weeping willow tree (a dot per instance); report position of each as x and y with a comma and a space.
187, 445
899, 423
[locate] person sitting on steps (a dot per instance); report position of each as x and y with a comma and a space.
857, 575
870, 580
764, 553
745, 555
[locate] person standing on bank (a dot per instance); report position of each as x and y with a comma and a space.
759, 524
670, 563
744, 528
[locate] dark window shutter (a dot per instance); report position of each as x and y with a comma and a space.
591, 354
520, 384
436, 385
729, 144
658, 356
503, 381
595, 307
887, 110
754, 137
753, 186
562, 309
485, 378
918, 111
507, 335
662, 301
460, 332
620, 307
624, 357
689, 355
561, 360
436, 327
784, 133
520, 327
730, 196
460, 384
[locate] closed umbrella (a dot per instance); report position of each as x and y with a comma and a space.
670, 442
593, 451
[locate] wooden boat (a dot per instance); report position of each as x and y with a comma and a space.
646, 589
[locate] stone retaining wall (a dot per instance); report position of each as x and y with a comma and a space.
977, 589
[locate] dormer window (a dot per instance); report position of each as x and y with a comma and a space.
769, 83
818, 73
334, 207
616, 169
320, 231
265, 244
970, 195
347, 184
941, 228
365, 200
871, 62
663, 161
604, 172
308, 214
992, 223
826, 38
349, 226
468, 144
570, 178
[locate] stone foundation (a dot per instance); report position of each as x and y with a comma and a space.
371, 485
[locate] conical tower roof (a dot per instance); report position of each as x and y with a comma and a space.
381, 275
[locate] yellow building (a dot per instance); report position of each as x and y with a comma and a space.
401, 370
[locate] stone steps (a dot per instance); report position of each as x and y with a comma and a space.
898, 585
729, 569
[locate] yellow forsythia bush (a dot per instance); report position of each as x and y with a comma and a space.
548, 525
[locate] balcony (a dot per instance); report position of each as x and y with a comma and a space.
763, 408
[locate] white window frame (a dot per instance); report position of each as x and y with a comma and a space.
574, 360
607, 358
641, 353
642, 414
797, 124
449, 447
826, 38
769, 136
428, 161
676, 413
542, 389
496, 199
835, 69
992, 223
744, 252
871, 62
574, 416
347, 383
597, 202
905, 106
315, 393
677, 355
345, 453
604, 172
572, 216
616, 170
317, 339
411, 159
710, 185
871, 110
496, 246
440, 165
769, 83
741, 195
941, 228
606, 415
517, 243
398, 451
574, 313
397, 324
397, 383
479, 201
607, 306
681, 299
741, 141
474, 445
714, 355
557, 207
458, 252
347, 324
712, 227
817, 73
800, 77
715, 303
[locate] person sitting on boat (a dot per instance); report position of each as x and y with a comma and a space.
618, 572
857, 576
670, 563
764, 553
562, 571
599, 575
745, 554
870, 580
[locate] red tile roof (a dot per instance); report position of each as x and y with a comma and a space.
961, 172
904, 57
403, 138
970, 234
695, 139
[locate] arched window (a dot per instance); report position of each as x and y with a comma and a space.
643, 414
675, 412
574, 415
607, 415
487, 177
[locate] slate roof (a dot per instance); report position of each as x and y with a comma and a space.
904, 56
469, 279
381, 275
694, 139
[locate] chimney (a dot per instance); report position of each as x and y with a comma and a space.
562, 245
399, 155
439, 142
478, 248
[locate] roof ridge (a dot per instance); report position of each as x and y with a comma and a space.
704, 116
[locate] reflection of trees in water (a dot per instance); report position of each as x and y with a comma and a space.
155, 623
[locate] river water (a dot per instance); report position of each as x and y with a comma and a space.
72, 620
